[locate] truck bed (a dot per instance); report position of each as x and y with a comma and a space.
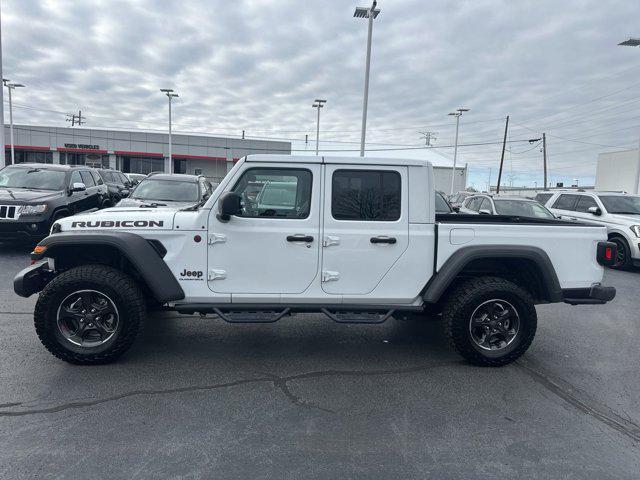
571, 247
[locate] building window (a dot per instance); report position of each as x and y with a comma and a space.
143, 165
179, 165
28, 156
94, 160
366, 195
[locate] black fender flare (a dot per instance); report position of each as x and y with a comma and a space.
137, 250
440, 282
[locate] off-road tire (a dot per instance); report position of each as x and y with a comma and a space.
104, 279
462, 302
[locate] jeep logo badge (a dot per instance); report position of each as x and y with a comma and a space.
191, 274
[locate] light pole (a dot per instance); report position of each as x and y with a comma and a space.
2, 144
634, 42
317, 103
370, 13
458, 113
10, 87
170, 95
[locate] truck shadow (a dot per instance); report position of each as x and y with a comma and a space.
299, 339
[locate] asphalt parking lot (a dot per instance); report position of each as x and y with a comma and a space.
308, 398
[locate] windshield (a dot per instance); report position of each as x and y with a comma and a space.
441, 205
167, 190
35, 178
621, 204
521, 209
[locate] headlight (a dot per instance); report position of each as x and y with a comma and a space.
33, 209
636, 229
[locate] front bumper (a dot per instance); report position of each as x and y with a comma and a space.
33, 278
24, 229
595, 295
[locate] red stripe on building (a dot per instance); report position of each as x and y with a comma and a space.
27, 147
81, 150
199, 157
138, 154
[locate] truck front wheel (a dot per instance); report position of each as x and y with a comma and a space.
89, 314
490, 321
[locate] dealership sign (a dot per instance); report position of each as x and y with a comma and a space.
82, 146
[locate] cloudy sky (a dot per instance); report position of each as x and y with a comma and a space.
553, 66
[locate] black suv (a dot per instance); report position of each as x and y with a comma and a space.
34, 195
118, 185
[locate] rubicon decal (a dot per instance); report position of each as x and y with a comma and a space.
191, 274
119, 223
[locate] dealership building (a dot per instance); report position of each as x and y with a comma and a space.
134, 151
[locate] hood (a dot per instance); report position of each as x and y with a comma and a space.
23, 195
128, 219
627, 218
162, 204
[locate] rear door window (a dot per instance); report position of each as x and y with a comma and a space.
566, 202
474, 203
486, 205
366, 195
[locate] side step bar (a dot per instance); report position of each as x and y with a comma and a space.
269, 313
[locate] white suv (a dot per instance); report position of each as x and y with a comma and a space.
617, 211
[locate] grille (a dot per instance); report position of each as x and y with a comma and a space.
9, 212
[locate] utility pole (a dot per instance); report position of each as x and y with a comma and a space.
544, 159
458, 113
317, 103
73, 118
504, 146
242, 134
370, 14
489, 188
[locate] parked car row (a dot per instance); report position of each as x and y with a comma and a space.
33, 196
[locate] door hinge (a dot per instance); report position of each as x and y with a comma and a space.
217, 238
328, 276
217, 274
328, 240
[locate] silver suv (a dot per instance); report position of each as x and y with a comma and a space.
486, 204
617, 211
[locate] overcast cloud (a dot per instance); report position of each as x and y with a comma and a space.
257, 65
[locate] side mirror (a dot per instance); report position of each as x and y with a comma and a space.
228, 205
78, 187
455, 208
205, 196
595, 211
125, 193
484, 212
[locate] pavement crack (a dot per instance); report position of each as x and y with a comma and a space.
571, 395
281, 383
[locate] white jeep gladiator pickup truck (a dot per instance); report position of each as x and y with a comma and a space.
354, 238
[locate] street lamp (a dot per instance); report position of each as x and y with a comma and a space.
370, 13
170, 95
634, 42
458, 113
10, 87
317, 103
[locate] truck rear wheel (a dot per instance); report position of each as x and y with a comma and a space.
89, 314
490, 321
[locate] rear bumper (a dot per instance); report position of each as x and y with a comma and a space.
595, 295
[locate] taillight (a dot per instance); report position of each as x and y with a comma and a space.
607, 252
